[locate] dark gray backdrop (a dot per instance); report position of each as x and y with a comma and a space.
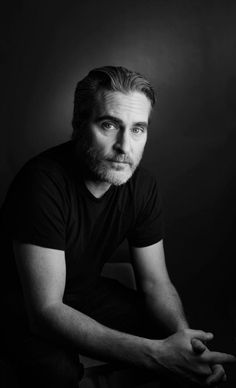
188, 51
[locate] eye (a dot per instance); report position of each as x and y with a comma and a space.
107, 125
138, 130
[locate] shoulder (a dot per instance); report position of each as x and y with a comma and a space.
38, 202
46, 176
55, 159
52, 165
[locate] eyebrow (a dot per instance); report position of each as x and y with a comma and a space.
119, 121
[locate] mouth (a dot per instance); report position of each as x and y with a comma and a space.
119, 161
117, 164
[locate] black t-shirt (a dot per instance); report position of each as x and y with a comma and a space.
49, 205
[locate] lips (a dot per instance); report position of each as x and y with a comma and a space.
120, 160
117, 161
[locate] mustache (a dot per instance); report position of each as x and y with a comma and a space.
119, 159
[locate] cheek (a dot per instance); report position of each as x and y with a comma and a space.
138, 146
102, 143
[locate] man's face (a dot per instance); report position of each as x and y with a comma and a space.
115, 135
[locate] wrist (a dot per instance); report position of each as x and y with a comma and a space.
154, 351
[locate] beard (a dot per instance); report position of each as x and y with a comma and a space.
113, 168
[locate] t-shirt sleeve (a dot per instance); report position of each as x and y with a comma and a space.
148, 228
36, 209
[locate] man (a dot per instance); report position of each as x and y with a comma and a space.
65, 214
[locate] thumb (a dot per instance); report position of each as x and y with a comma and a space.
198, 346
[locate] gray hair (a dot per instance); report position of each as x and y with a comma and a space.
109, 78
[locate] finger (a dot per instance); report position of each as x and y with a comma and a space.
218, 375
224, 378
218, 358
202, 335
198, 346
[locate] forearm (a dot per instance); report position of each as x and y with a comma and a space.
161, 297
164, 305
173, 354
72, 327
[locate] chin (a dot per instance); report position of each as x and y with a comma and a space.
116, 178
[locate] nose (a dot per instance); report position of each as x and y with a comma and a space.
122, 143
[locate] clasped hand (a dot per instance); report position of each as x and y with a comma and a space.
185, 354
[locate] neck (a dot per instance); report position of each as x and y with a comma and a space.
98, 189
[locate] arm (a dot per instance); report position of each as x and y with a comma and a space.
160, 295
43, 272
163, 302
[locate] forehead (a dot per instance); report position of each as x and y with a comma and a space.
133, 104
